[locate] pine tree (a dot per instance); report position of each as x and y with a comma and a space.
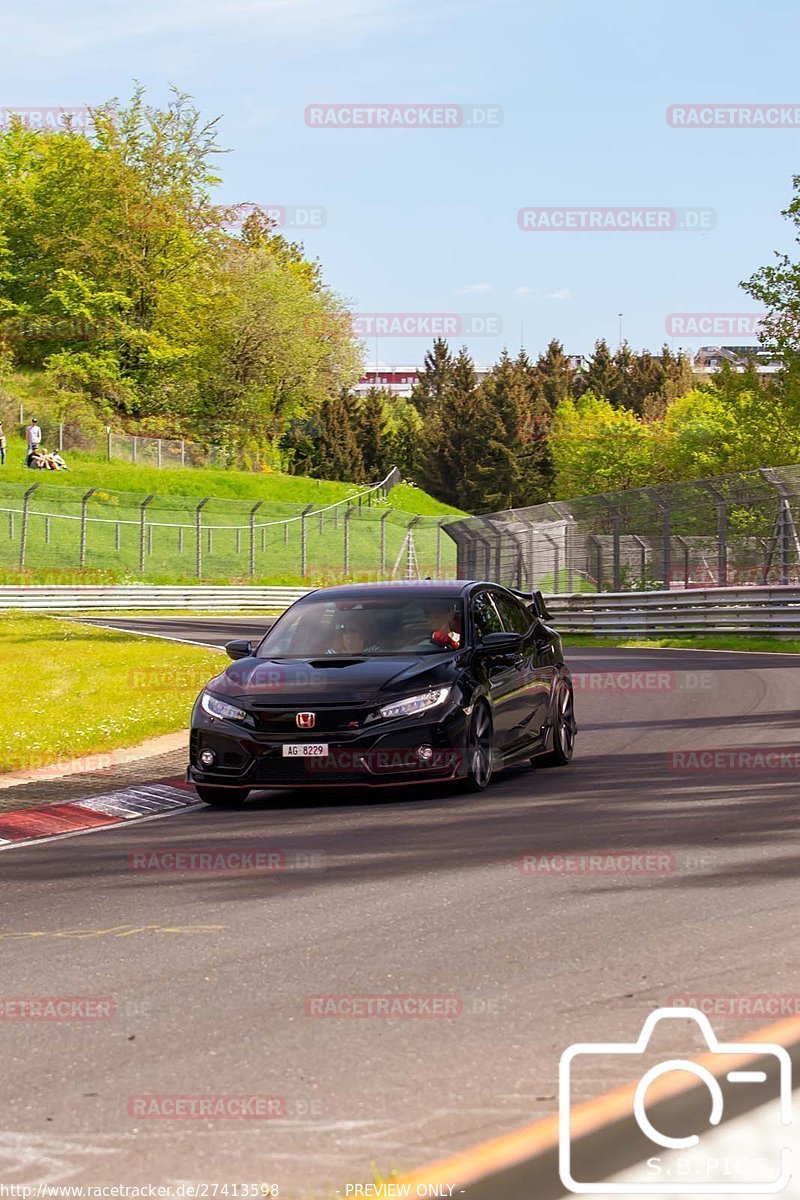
463, 441
338, 453
555, 374
434, 378
371, 426
602, 377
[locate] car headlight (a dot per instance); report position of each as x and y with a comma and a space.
415, 704
218, 708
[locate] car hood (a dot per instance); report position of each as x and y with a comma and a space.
258, 682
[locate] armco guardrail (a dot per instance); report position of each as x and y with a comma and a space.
712, 610
137, 598
709, 610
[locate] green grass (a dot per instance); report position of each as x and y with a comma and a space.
69, 690
755, 643
91, 471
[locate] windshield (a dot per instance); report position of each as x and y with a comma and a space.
366, 628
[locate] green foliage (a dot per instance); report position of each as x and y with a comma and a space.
121, 276
597, 447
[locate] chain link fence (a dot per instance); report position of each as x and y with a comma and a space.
732, 530
123, 447
175, 538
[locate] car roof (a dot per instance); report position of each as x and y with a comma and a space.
439, 588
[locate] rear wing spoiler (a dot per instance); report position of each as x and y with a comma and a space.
534, 602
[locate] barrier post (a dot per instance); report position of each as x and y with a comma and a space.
24, 533
199, 526
84, 505
143, 529
303, 539
253, 512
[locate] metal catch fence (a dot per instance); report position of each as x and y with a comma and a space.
731, 530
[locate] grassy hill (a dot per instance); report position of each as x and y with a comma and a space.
87, 470
107, 539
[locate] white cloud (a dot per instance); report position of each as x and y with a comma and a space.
561, 293
474, 289
524, 290
95, 23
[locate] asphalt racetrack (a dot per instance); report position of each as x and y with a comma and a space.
562, 905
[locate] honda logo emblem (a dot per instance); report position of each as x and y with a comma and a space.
305, 720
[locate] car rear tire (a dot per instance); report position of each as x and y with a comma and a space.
218, 797
480, 748
563, 730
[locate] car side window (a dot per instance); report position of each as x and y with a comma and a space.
514, 616
485, 616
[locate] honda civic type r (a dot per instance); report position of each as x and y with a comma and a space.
376, 684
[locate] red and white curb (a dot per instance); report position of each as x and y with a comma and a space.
49, 821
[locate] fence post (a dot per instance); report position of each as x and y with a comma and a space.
682, 542
47, 531
108, 443
253, 512
199, 525
348, 512
133, 449
722, 532
599, 556
666, 516
383, 541
24, 533
143, 529
556, 565
183, 453
785, 532
158, 452
11, 526
615, 528
180, 539
642, 556
60, 436
303, 539
117, 536
84, 506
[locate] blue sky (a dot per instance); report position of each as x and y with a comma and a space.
425, 221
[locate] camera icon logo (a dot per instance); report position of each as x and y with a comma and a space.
776, 1175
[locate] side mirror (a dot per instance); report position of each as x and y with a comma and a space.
239, 649
501, 643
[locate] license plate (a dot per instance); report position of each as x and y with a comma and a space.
306, 750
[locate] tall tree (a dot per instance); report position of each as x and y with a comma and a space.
435, 377
602, 377
555, 375
464, 440
338, 455
371, 426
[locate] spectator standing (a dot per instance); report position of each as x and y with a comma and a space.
33, 438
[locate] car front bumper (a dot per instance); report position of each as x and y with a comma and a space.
382, 756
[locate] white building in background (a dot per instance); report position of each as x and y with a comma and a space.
709, 359
399, 380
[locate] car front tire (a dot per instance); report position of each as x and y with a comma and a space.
480, 748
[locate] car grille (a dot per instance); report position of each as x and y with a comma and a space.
281, 722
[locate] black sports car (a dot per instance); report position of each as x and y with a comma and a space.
376, 684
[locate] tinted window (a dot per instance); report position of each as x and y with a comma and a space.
514, 616
485, 616
408, 623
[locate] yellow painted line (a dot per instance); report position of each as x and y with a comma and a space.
509, 1150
